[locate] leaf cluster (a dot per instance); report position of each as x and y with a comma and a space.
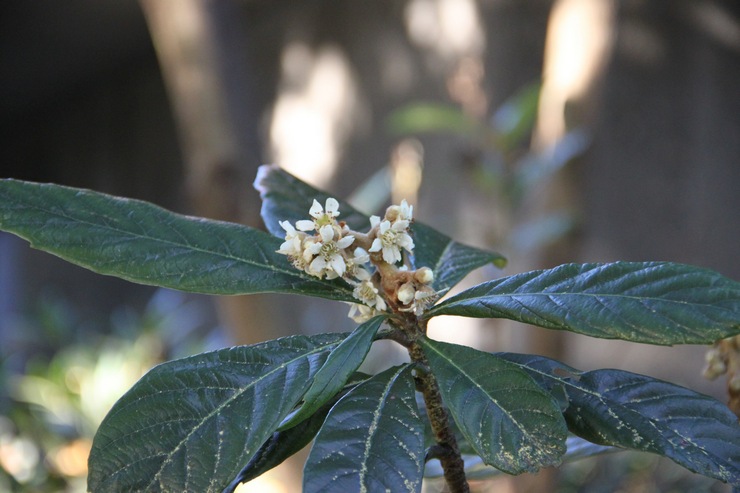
210, 421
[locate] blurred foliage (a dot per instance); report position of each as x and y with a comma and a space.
502, 164
61, 375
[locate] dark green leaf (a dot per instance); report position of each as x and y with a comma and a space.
143, 243
451, 261
283, 444
623, 409
510, 422
372, 440
284, 197
339, 366
649, 302
191, 424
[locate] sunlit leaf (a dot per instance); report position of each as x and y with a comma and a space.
284, 197
339, 366
372, 440
191, 424
509, 420
649, 302
143, 243
623, 409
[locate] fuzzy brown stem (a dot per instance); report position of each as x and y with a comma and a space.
448, 451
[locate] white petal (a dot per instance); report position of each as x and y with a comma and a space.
337, 264
362, 274
400, 225
318, 265
332, 207
376, 246
345, 242
380, 304
315, 209
391, 254
287, 227
361, 256
385, 226
305, 225
327, 233
374, 221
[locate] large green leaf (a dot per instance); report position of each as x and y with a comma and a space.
372, 440
623, 409
143, 243
509, 420
339, 366
649, 302
191, 424
285, 197
283, 444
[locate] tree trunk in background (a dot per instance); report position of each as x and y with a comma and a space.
662, 176
201, 46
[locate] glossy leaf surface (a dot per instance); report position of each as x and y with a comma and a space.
191, 424
372, 440
623, 409
283, 444
339, 366
143, 243
509, 420
284, 197
649, 302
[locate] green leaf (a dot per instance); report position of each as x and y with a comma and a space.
143, 243
434, 117
283, 444
339, 366
286, 198
649, 302
476, 469
451, 261
190, 424
510, 422
623, 409
372, 440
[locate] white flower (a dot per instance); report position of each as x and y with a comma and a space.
293, 240
361, 313
391, 238
325, 255
368, 294
403, 212
321, 216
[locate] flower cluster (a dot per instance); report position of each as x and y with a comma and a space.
325, 253
326, 248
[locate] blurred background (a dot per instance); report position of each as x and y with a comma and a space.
549, 130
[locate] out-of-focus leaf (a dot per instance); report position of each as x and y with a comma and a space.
514, 119
191, 424
284, 197
372, 440
339, 366
143, 243
433, 117
649, 302
509, 420
623, 409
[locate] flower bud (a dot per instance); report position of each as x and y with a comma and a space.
424, 275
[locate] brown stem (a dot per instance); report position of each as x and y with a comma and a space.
448, 451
